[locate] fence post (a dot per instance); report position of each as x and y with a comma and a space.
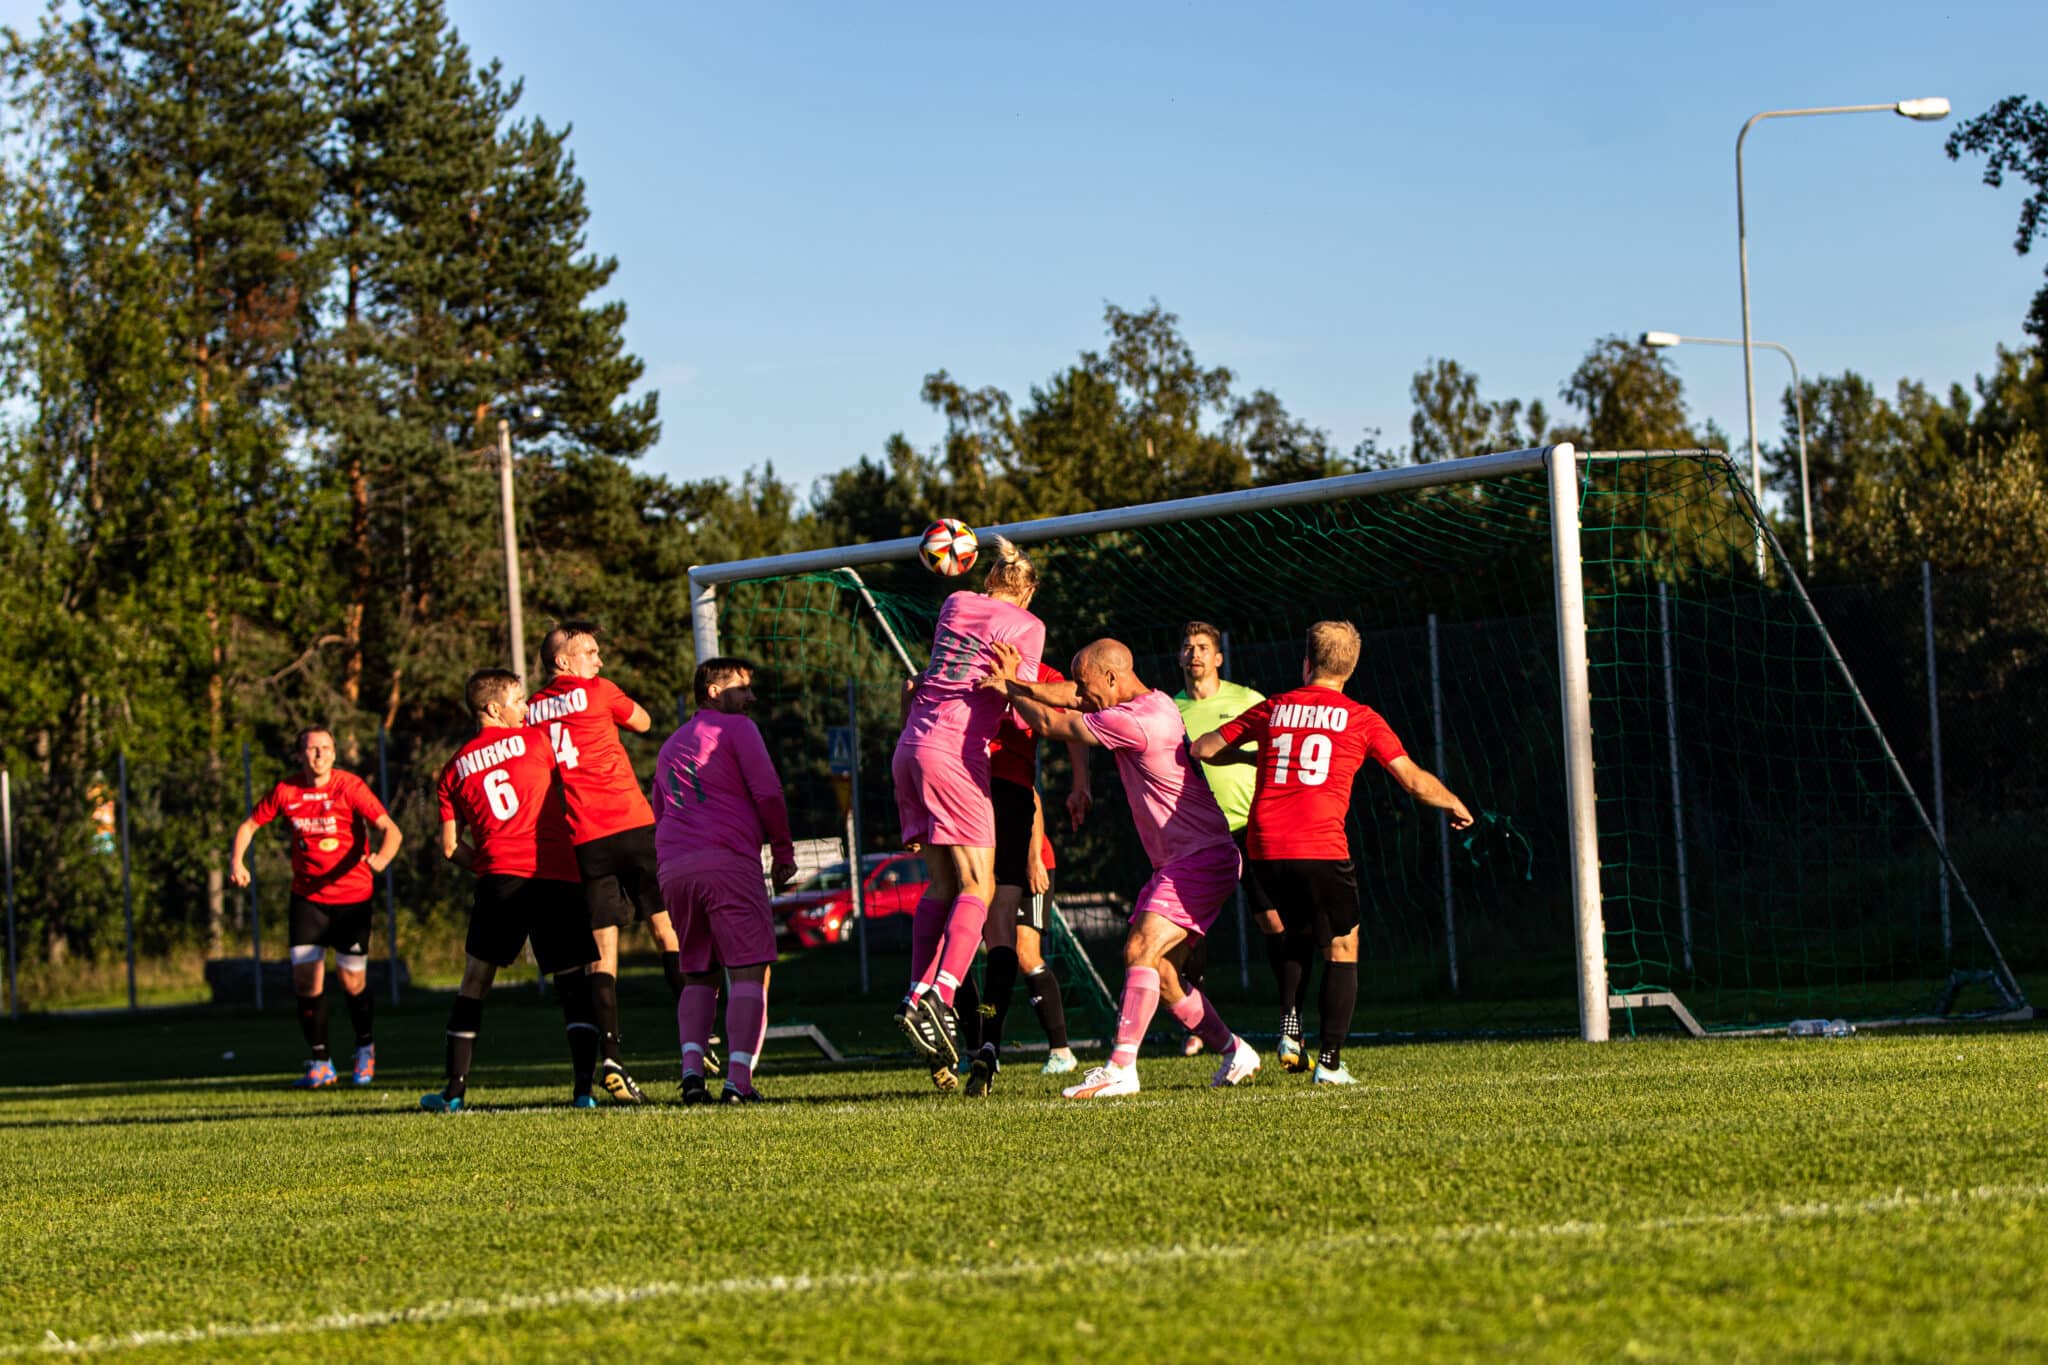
1934, 732
255, 914
1443, 817
7, 837
1677, 789
390, 902
855, 890
127, 889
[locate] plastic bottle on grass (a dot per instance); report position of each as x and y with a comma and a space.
1819, 1028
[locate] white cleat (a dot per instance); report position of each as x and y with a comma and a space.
1105, 1082
1240, 1066
1060, 1063
1340, 1076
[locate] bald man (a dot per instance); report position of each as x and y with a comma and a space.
1195, 862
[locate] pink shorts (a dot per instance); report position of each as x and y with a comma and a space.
942, 798
720, 910
1190, 890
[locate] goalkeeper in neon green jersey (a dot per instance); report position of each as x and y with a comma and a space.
1206, 701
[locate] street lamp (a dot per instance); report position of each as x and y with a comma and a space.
1921, 110
516, 620
1798, 409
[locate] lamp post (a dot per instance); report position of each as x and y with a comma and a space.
514, 607
1920, 110
1798, 409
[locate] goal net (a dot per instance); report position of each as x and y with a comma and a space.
1682, 800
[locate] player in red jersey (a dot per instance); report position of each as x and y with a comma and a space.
1014, 934
333, 882
502, 785
1312, 742
609, 819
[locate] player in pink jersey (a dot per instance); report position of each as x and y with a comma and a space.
1195, 863
719, 801
941, 771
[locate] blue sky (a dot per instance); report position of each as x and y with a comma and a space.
815, 205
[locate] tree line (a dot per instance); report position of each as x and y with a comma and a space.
278, 268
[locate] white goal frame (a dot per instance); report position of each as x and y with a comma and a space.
1561, 464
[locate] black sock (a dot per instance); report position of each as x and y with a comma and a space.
313, 1023
1298, 952
1044, 989
1002, 983
359, 1012
464, 1020
1340, 999
672, 969
1276, 956
604, 1011
967, 1005
573, 989
1194, 968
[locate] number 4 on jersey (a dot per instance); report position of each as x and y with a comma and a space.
566, 753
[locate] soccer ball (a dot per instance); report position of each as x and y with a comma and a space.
948, 547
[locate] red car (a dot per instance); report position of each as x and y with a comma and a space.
819, 908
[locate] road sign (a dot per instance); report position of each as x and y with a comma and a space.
839, 750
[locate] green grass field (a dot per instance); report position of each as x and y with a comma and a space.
1881, 1197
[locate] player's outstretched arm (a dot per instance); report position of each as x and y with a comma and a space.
1053, 722
452, 847
238, 871
1212, 748
639, 722
1003, 676
1422, 784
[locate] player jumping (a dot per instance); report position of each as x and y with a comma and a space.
503, 786
1194, 862
720, 801
333, 882
941, 772
609, 819
1015, 934
1311, 743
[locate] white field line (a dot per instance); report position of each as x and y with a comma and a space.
768, 1287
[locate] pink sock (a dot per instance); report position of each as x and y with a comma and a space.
927, 930
693, 1024
961, 943
746, 1026
1141, 1001
1200, 1018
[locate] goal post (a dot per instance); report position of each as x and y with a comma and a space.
1683, 799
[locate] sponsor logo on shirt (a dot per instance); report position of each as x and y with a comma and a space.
567, 703
1295, 715
492, 754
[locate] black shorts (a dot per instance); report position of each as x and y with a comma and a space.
344, 928
1256, 899
1315, 896
507, 911
621, 878
1014, 812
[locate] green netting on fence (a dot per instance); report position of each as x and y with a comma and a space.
1760, 854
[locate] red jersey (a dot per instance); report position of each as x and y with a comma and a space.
582, 716
329, 844
1312, 742
1013, 753
502, 785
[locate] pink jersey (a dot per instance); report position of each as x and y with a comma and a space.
718, 792
1172, 806
952, 709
